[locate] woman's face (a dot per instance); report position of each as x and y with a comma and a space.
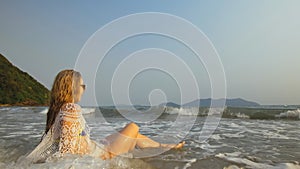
80, 90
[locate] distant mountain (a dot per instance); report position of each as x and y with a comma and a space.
238, 102
19, 88
170, 104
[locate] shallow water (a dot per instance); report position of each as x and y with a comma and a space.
236, 142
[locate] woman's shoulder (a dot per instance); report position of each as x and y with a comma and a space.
71, 108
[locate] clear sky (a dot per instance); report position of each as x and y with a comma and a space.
257, 41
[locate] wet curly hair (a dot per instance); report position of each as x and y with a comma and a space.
65, 89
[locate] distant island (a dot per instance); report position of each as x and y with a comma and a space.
236, 102
18, 88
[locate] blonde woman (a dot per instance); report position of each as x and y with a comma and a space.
66, 131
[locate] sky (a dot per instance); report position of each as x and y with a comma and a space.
257, 42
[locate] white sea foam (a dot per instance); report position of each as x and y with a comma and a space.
189, 163
287, 166
290, 114
5, 108
270, 134
84, 110
193, 111
75, 161
233, 135
44, 111
241, 115
88, 110
235, 157
216, 137
183, 111
266, 144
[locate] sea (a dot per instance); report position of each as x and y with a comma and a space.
211, 141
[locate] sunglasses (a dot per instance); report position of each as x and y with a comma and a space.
83, 86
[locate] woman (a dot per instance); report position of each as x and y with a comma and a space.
66, 131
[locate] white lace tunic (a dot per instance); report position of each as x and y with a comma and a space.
69, 134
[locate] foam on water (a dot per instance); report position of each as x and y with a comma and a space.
242, 116
216, 137
236, 142
244, 161
2, 109
183, 111
235, 135
289, 114
79, 162
44, 111
88, 110
84, 110
234, 157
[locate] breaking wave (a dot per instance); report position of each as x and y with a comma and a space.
183, 111
84, 110
295, 114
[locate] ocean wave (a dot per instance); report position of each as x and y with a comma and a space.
194, 111
88, 110
83, 111
289, 114
235, 157
183, 111
253, 162
242, 116
76, 161
44, 111
5, 108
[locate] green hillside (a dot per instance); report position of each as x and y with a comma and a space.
19, 88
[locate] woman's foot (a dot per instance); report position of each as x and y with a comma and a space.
173, 146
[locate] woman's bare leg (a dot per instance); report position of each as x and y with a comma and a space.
143, 141
123, 141
129, 137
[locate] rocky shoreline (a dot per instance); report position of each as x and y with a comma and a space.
23, 104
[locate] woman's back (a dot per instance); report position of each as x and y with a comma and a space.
68, 134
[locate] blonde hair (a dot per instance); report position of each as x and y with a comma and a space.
65, 89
